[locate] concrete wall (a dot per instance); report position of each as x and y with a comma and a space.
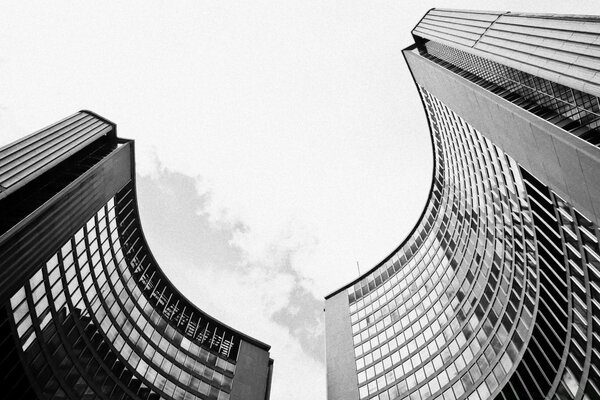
31, 156
561, 48
252, 373
567, 164
342, 382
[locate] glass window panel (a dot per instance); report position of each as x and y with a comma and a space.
16, 299
24, 325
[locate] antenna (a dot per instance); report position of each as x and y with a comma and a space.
358, 268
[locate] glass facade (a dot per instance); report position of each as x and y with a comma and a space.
449, 314
563, 358
570, 109
95, 317
494, 295
101, 330
496, 292
161, 294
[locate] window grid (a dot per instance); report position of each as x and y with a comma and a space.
570, 109
456, 307
96, 339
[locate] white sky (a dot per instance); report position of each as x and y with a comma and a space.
295, 124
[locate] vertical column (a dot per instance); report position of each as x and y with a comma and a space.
251, 373
342, 383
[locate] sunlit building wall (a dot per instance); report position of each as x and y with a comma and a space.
495, 294
86, 312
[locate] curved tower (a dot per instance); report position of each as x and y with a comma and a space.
495, 294
86, 312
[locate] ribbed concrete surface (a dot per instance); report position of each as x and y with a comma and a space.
29, 157
561, 48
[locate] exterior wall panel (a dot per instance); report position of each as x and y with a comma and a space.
252, 373
30, 157
527, 138
341, 369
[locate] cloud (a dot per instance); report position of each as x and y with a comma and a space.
304, 307
265, 298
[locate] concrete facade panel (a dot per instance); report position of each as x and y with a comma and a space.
522, 133
568, 158
467, 15
341, 367
589, 167
545, 152
251, 373
28, 158
514, 40
524, 136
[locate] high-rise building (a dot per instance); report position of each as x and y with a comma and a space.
495, 294
86, 312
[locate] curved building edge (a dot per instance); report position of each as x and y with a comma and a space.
173, 287
419, 220
541, 338
85, 309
